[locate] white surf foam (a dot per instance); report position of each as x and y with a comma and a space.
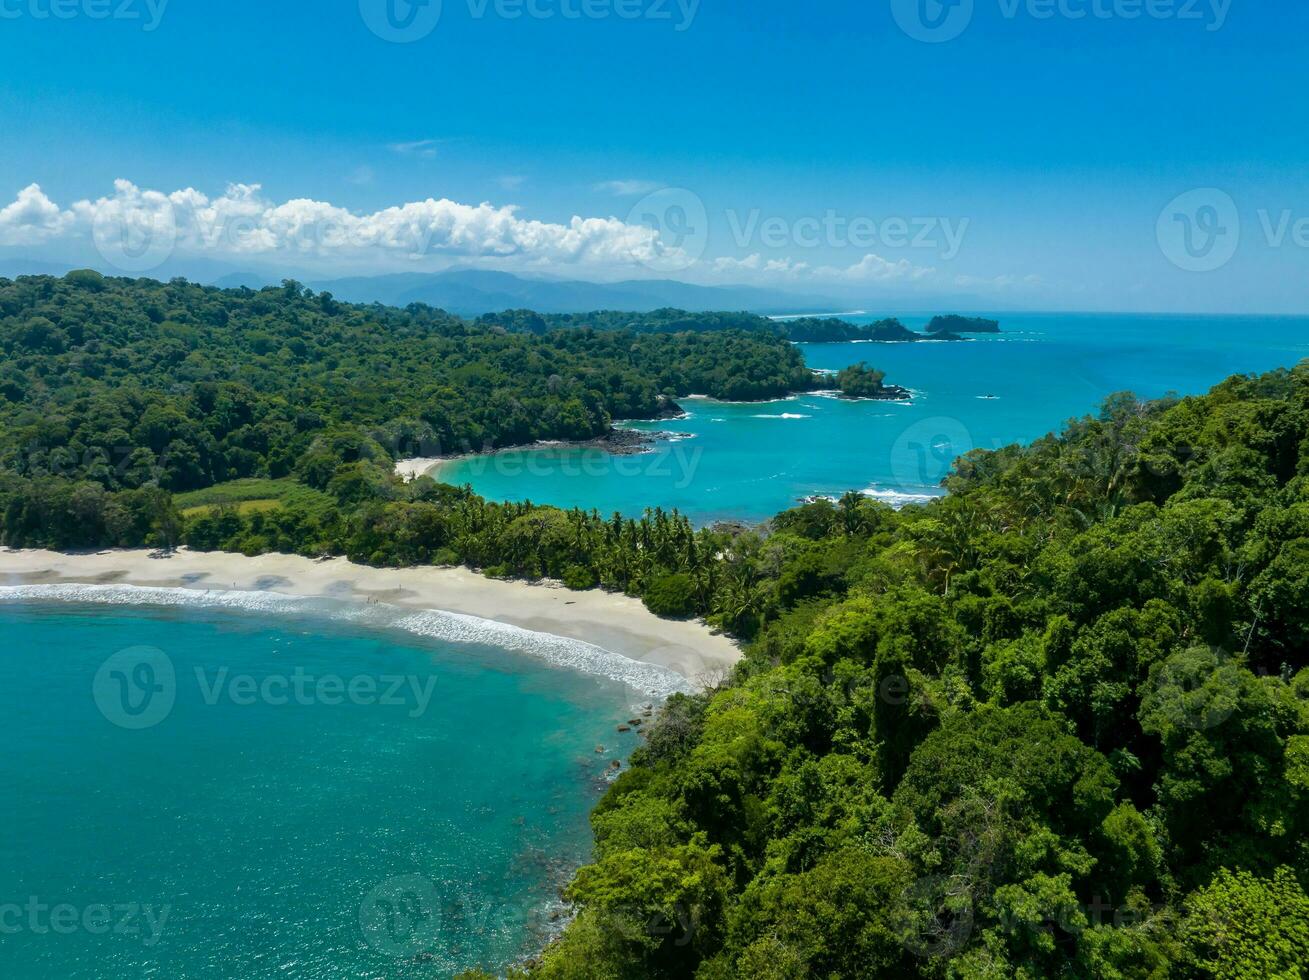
652, 680
899, 498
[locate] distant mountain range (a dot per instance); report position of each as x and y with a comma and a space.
472, 292
13, 268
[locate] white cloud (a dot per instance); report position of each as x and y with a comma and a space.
627, 188
241, 222
32, 218
137, 229
874, 268
787, 268
417, 148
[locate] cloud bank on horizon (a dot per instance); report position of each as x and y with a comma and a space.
137, 229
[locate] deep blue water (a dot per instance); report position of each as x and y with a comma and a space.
751, 461
260, 829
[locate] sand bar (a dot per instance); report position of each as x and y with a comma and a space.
617, 623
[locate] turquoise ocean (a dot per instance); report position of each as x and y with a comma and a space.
732, 461
296, 791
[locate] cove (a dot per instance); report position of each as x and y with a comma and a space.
339, 825
737, 461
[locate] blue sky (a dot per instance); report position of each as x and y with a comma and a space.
1028, 162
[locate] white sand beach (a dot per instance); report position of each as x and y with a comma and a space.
412, 469
616, 623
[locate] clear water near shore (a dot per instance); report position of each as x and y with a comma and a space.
407, 806
749, 461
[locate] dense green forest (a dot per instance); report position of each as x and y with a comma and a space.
800, 330
1055, 724
133, 383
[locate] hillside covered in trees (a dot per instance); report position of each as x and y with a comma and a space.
800, 330
132, 383
1055, 724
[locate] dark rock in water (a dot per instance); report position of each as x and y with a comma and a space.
624, 728
634, 721
669, 409
600, 750
624, 442
615, 764
889, 393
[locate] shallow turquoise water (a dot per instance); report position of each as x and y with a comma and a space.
751, 461
310, 832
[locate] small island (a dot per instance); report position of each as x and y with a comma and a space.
859, 381
954, 324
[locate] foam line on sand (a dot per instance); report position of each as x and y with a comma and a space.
595, 631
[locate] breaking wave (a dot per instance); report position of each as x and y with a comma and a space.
651, 680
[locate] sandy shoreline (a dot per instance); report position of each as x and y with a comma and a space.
412, 469
617, 623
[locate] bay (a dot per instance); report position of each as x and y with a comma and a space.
331, 826
733, 461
